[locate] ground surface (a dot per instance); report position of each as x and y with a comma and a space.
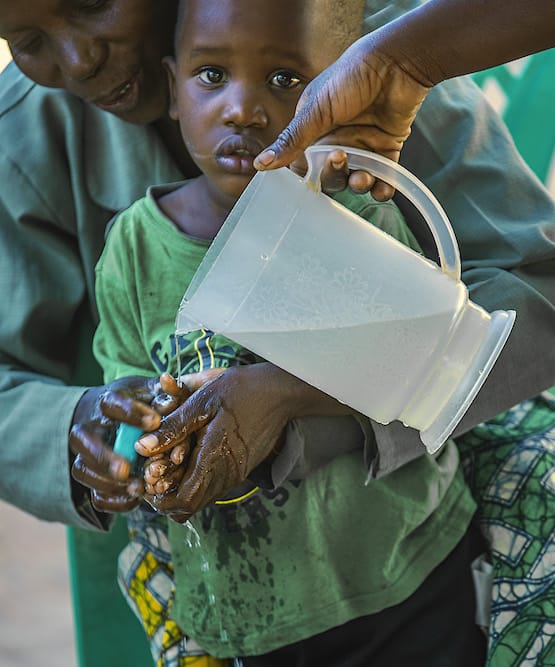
36, 628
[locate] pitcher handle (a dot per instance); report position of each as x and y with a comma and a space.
407, 184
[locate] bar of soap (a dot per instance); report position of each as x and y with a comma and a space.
124, 444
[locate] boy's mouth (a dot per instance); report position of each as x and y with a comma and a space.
235, 154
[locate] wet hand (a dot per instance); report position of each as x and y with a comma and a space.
234, 422
95, 466
137, 401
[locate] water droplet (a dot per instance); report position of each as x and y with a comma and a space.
264, 257
192, 538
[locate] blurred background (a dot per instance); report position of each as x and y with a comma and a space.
36, 626
4, 54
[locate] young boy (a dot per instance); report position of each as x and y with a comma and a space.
328, 570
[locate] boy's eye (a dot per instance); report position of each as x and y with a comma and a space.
212, 76
284, 79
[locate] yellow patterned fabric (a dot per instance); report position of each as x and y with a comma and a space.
204, 661
145, 575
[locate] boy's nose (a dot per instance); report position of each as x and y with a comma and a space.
80, 56
243, 109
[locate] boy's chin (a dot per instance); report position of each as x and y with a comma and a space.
234, 188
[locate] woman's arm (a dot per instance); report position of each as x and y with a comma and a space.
53, 211
375, 89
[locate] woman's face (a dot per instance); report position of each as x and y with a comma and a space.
107, 52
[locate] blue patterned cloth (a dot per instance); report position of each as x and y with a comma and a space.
509, 464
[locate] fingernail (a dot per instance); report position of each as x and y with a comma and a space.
178, 455
148, 442
265, 158
149, 422
120, 469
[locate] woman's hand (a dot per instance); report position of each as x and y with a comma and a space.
95, 466
138, 401
366, 99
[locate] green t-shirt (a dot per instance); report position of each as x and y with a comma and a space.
284, 564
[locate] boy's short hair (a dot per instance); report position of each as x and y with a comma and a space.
344, 20
340, 20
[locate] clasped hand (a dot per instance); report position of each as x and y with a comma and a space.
209, 445
204, 437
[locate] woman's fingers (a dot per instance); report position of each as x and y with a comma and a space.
194, 381
124, 408
105, 485
114, 504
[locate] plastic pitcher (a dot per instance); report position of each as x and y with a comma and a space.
305, 283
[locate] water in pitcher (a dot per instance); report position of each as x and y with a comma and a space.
374, 367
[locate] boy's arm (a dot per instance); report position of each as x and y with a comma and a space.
118, 345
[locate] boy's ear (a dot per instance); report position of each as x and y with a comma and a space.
170, 67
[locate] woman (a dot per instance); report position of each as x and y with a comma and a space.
99, 147
105, 138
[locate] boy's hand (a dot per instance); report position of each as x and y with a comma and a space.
236, 419
336, 175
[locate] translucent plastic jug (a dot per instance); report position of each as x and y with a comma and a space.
310, 286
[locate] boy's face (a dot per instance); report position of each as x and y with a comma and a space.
240, 68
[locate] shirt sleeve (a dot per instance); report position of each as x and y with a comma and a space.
41, 313
65, 168
118, 344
